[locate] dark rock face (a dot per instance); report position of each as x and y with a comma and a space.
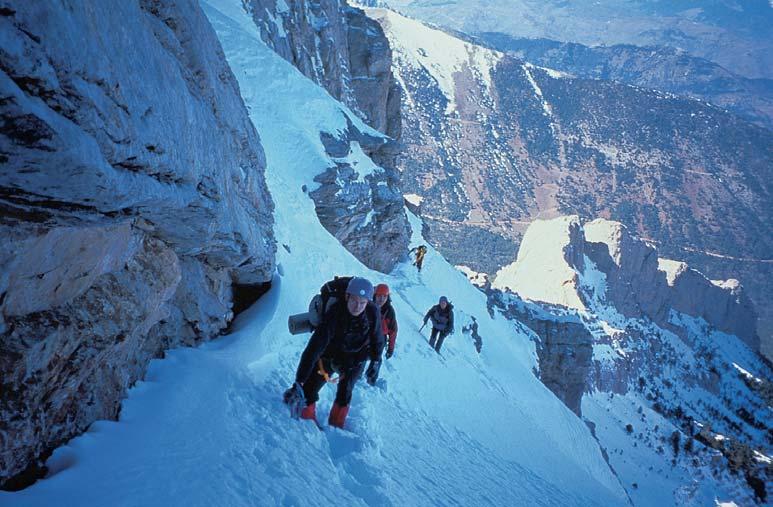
346, 52
659, 68
312, 35
376, 92
530, 143
340, 49
132, 201
564, 348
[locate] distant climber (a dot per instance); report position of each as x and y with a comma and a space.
388, 319
442, 316
472, 328
420, 252
349, 334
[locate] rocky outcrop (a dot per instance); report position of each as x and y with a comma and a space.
360, 202
346, 52
636, 284
623, 271
564, 346
722, 303
133, 201
373, 85
339, 48
644, 350
312, 35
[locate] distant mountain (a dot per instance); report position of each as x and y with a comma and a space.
737, 35
647, 351
656, 67
491, 143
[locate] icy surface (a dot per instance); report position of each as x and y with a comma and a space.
207, 426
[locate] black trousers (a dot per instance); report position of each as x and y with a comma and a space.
438, 335
346, 379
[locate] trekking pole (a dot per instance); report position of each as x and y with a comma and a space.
422, 327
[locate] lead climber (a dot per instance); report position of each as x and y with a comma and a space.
348, 336
420, 252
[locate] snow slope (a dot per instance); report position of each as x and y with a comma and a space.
207, 426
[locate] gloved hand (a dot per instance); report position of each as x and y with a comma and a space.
389, 353
294, 394
295, 400
372, 373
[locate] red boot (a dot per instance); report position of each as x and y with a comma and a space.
310, 412
338, 415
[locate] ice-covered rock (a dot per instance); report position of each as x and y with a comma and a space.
359, 202
133, 199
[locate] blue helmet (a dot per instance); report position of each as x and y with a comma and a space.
360, 287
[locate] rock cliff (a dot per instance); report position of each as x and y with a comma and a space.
561, 260
133, 202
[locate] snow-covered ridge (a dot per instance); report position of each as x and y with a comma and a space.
439, 53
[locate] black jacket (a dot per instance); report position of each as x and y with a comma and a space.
344, 339
442, 320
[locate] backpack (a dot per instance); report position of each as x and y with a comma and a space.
332, 291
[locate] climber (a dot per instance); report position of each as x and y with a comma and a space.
388, 318
472, 328
421, 251
349, 334
442, 316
